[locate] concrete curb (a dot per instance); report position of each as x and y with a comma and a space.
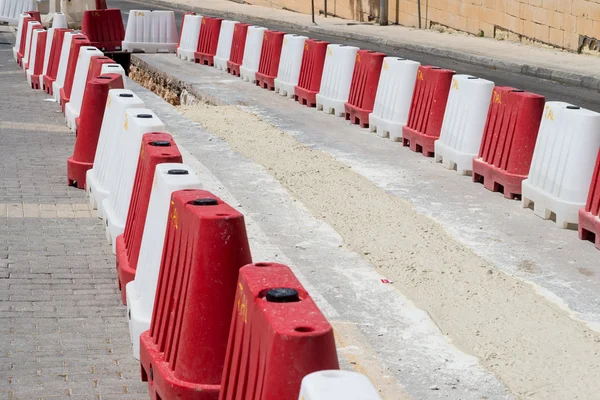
564, 77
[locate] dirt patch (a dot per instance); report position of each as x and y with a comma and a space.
168, 90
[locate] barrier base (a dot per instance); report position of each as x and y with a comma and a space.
545, 205
35, 82
248, 75
589, 227
71, 114
137, 323
385, 128
284, 88
220, 63
454, 159
162, 383
15, 52
139, 47
204, 59
76, 172
125, 273
305, 97
25, 66
47, 86
418, 142
357, 116
265, 81
114, 227
186, 55
497, 180
107, 46
20, 59
331, 106
63, 99
233, 68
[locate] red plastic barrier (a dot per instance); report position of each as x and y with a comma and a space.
365, 79
508, 140
238, 42
427, 109
183, 353
23, 42
104, 29
38, 63
36, 15
88, 128
96, 63
54, 59
269, 59
157, 148
311, 72
278, 335
208, 41
101, 5
589, 217
77, 42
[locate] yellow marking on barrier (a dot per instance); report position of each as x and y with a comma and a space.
454, 84
139, 14
497, 98
284, 41
305, 46
126, 124
549, 114
174, 218
357, 57
329, 52
154, 183
420, 75
242, 304
265, 36
385, 66
108, 101
203, 21
95, 14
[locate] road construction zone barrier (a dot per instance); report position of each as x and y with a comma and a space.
88, 127
190, 34
116, 206
59, 22
427, 109
464, 121
337, 78
104, 29
66, 68
114, 68
95, 67
289, 64
150, 32
225, 44
36, 64
337, 385
54, 60
80, 78
238, 45
589, 216
367, 69
393, 98
252, 50
31, 26
74, 9
10, 10
208, 41
140, 293
275, 322
270, 55
508, 140
311, 72
195, 293
20, 35
157, 148
100, 178
563, 163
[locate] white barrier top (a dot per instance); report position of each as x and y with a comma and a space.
337, 385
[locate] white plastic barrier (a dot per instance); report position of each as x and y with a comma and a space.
563, 162
11, 10
141, 291
224, 45
74, 9
30, 28
393, 98
82, 69
252, 50
289, 64
59, 21
464, 122
33, 54
337, 78
115, 207
337, 385
114, 69
62, 65
18, 35
100, 178
189, 37
151, 32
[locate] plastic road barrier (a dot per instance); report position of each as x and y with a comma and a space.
157, 148
190, 34
114, 69
363, 89
67, 63
36, 65
589, 217
59, 22
140, 293
508, 140
10, 10
104, 29
270, 55
75, 9
427, 109
22, 38
289, 64
252, 50
54, 60
95, 67
225, 44
337, 385
31, 26
393, 98
464, 121
311, 72
238, 44
563, 163
84, 64
337, 78
278, 336
151, 32
208, 41
195, 293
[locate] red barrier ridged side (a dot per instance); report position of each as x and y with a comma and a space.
508, 140
311, 72
589, 217
269, 59
183, 353
157, 148
363, 89
77, 42
238, 42
104, 29
96, 63
36, 15
278, 335
54, 58
23, 42
208, 41
38, 63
